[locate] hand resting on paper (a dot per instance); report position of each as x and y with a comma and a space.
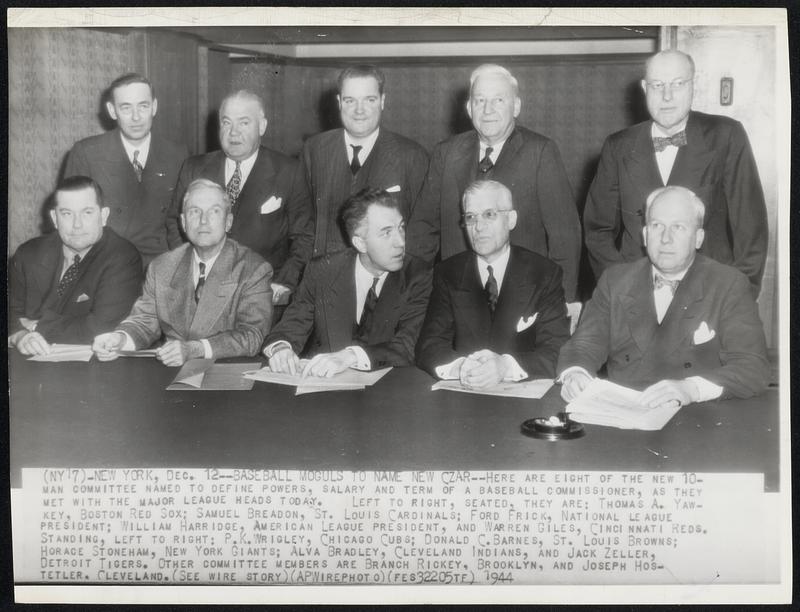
667, 392
572, 383
284, 360
177, 352
107, 346
483, 369
329, 364
29, 342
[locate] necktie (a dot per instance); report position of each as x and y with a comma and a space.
200, 282
137, 167
370, 301
491, 289
69, 276
661, 282
662, 142
235, 184
355, 165
486, 163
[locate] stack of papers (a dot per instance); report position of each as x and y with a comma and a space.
205, 375
606, 403
528, 389
66, 352
349, 380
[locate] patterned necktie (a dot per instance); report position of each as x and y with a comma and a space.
355, 165
137, 167
491, 289
200, 282
662, 142
235, 184
69, 276
370, 301
486, 163
661, 282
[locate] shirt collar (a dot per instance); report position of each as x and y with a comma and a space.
209, 262
366, 144
69, 254
499, 265
678, 276
143, 148
657, 131
245, 166
362, 274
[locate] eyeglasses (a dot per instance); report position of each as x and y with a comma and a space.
676, 85
490, 215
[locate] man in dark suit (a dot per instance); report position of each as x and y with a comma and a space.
210, 298
678, 325
341, 162
364, 306
709, 154
271, 207
496, 312
76, 282
526, 162
135, 168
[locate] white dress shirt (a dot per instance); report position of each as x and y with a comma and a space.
666, 158
245, 166
496, 148
366, 144
143, 148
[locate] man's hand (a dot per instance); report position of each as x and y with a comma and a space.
280, 293
29, 343
176, 352
667, 392
28, 324
483, 369
328, 364
107, 346
284, 360
573, 383
573, 313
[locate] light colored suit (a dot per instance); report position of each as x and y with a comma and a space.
235, 308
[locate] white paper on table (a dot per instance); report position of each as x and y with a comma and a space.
303, 389
605, 403
528, 389
349, 379
66, 352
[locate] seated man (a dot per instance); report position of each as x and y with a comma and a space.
497, 312
76, 282
680, 326
211, 297
364, 305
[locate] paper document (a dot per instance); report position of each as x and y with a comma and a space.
66, 352
606, 403
343, 381
205, 375
529, 389
139, 353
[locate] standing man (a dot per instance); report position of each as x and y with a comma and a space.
679, 326
497, 311
341, 162
709, 154
526, 162
76, 282
363, 306
210, 298
270, 203
135, 169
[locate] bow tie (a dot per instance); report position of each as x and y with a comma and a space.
676, 140
660, 282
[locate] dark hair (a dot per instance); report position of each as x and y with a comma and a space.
360, 71
78, 183
127, 79
355, 208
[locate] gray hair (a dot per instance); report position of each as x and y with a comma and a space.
203, 183
476, 187
685, 56
496, 70
689, 195
245, 94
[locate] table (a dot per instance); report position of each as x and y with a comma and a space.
118, 414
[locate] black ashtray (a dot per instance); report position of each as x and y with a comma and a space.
555, 428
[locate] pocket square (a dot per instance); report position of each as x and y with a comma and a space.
82, 298
270, 205
703, 334
524, 323
393, 189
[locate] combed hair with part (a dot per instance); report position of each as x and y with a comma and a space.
244, 94
669, 52
361, 71
78, 183
493, 69
128, 79
476, 187
354, 210
203, 183
697, 203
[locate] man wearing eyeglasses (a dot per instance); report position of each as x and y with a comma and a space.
496, 312
709, 154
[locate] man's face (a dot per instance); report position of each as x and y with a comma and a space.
672, 234
381, 239
360, 105
205, 218
488, 236
241, 126
669, 89
133, 107
492, 106
79, 218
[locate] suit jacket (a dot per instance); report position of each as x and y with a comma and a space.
394, 161
459, 322
716, 163
138, 210
619, 328
325, 306
282, 236
235, 308
530, 166
109, 280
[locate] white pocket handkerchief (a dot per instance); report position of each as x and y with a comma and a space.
82, 298
703, 334
270, 205
393, 189
525, 323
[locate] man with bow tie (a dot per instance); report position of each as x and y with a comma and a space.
497, 311
709, 154
678, 325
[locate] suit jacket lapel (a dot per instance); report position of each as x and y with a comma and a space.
465, 164
693, 159
216, 295
472, 300
214, 168
85, 264
516, 295
683, 315
340, 304
262, 174
48, 273
388, 303
640, 308
182, 307
508, 153
640, 164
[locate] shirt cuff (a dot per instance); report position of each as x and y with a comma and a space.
449, 371
706, 390
362, 361
207, 354
129, 344
273, 348
570, 370
514, 372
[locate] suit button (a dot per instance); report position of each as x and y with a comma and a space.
687, 365
627, 358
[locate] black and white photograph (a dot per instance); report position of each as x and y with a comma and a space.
399, 305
